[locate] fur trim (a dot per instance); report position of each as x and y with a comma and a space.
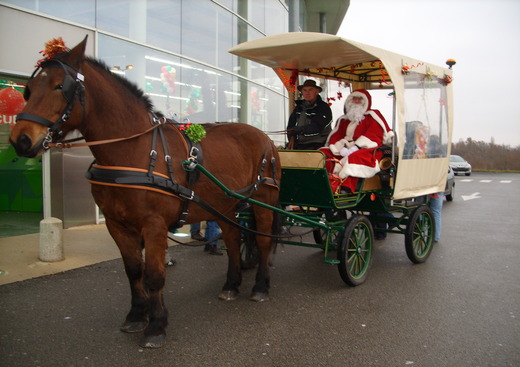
366, 143
351, 129
358, 170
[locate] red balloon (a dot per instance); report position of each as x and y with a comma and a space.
11, 101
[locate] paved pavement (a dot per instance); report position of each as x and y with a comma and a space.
83, 245
460, 308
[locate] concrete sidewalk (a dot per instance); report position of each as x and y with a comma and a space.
83, 245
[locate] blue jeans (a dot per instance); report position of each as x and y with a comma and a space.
212, 230
436, 207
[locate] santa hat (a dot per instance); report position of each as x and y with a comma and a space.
361, 93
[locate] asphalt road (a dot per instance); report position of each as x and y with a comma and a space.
460, 308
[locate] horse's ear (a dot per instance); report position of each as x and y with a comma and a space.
77, 54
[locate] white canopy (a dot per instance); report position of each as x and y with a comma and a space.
328, 56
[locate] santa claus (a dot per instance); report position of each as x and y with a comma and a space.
351, 147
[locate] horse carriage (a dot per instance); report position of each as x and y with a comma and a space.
151, 174
414, 164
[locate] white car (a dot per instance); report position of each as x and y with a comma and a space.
449, 191
460, 165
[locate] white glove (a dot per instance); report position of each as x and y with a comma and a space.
352, 150
336, 147
344, 151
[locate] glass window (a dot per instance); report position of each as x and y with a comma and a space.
164, 84
114, 16
78, 11
152, 71
225, 40
163, 24
230, 4
199, 38
426, 134
256, 13
208, 94
277, 18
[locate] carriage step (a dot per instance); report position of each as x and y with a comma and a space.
331, 261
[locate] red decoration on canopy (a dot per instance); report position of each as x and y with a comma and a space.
447, 79
384, 74
290, 83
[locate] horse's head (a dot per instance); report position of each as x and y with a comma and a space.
54, 95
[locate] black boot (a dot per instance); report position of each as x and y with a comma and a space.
214, 250
198, 237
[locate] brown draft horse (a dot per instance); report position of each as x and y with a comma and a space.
105, 106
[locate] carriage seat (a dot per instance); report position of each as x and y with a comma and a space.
302, 159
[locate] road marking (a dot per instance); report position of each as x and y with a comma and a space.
484, 181
475, 195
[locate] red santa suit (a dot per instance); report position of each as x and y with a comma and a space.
352, 146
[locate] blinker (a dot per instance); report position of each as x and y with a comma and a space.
68, 88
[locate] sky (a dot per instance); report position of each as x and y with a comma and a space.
483, 36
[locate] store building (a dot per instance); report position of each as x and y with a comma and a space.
175, 50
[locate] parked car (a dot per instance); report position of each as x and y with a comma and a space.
460, 165
449, 191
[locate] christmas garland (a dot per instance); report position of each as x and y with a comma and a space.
194, 131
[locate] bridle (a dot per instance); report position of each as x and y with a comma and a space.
71, 88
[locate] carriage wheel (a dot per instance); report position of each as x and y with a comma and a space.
418, 238
249, 255
356, 250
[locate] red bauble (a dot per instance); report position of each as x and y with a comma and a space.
11, 101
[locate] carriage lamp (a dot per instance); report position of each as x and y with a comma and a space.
450, 62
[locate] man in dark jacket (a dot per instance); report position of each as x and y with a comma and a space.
310, 122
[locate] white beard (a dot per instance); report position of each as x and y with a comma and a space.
356, 112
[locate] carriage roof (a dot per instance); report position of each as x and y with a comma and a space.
362, 66
329, 56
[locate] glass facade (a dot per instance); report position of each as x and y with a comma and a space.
176, 51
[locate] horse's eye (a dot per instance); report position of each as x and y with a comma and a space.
58, 87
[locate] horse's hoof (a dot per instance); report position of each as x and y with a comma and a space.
153, 341
228, 295
259, 297
133, 326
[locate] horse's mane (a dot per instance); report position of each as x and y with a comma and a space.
130, 86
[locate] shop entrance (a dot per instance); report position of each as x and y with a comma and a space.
21, 188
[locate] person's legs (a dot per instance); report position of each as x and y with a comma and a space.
380, 226
436, 207
212, 232
195, 232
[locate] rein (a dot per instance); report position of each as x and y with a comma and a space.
70, 143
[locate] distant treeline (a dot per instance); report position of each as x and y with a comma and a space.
488, 156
